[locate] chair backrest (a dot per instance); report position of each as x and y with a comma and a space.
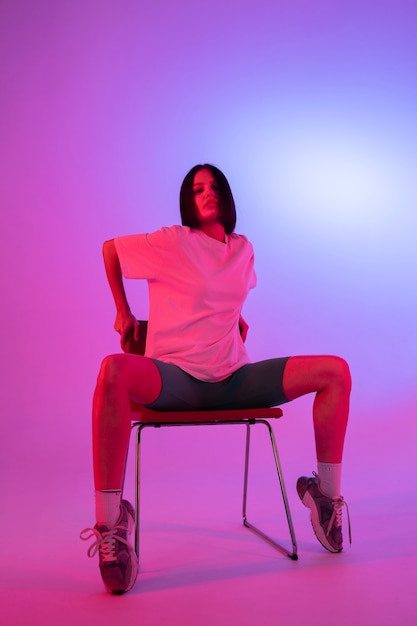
133, 346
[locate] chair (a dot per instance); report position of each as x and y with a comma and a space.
145, 418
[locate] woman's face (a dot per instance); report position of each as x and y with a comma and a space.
206, 197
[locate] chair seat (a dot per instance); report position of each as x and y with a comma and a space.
145, 415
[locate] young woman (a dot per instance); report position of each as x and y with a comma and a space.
199, 276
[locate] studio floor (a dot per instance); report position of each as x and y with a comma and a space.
199, 565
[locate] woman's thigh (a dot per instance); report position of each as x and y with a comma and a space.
308, 374
138, 376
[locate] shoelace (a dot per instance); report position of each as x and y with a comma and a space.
336, 518
105, 542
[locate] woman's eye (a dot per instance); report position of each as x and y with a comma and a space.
196, 191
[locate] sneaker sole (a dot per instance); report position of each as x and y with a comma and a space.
131, 530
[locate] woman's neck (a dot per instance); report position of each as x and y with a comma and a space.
214, 230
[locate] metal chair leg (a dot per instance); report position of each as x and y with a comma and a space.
293, 555
137, 487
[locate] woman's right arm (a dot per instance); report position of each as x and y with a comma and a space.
125, 320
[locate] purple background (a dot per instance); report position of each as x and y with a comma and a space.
309, 107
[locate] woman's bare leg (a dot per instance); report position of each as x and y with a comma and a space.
329, 378
122, 377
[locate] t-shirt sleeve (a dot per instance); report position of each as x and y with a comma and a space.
252, 278
142, 256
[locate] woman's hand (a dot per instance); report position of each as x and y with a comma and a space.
124, 324
243, 328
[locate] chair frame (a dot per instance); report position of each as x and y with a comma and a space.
246, 417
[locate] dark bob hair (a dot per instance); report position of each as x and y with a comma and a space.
227, 204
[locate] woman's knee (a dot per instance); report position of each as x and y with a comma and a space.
339, 371
112, 371
134, 375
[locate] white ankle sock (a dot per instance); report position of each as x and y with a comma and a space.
330, 475
108, 507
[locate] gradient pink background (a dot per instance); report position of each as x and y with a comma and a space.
309, 107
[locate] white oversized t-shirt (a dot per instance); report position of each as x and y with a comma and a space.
197, 286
